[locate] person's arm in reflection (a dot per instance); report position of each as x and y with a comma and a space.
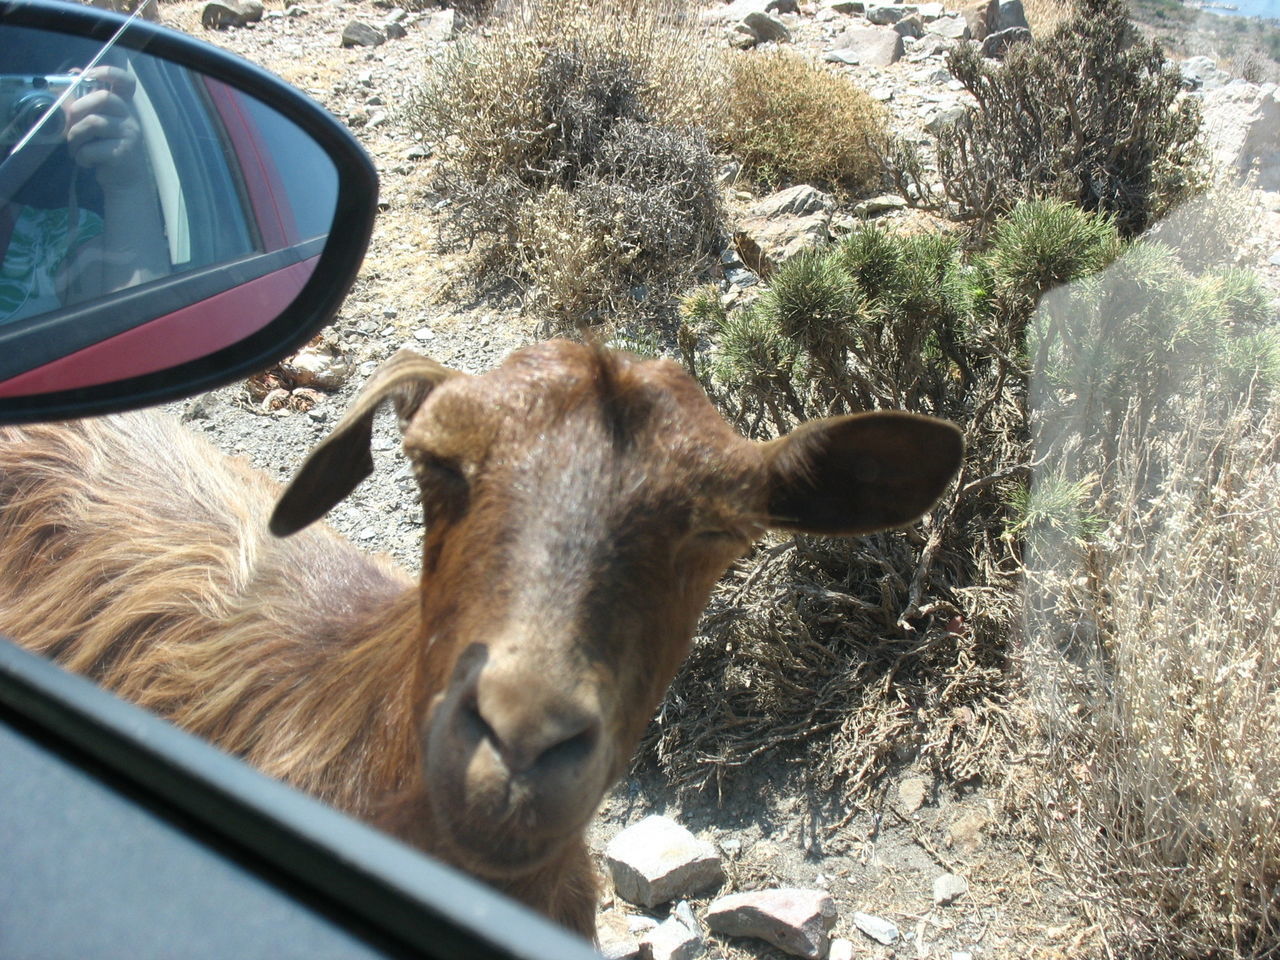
103, 135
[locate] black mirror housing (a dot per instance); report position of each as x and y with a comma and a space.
247, 214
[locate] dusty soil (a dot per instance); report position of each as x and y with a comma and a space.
409, 293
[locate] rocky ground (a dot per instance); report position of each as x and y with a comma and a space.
410, 293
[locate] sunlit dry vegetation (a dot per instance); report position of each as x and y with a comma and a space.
1107, 561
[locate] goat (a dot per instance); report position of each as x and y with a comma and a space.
580, 506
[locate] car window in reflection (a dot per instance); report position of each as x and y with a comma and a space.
135, 191
134, 170
70, 248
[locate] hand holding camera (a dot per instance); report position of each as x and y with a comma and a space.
102, 132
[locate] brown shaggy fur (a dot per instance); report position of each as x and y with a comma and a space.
134, 553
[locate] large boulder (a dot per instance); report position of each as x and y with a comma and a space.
869, 46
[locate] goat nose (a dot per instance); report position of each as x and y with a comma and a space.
534, 725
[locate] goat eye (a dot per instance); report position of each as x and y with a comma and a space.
436, 472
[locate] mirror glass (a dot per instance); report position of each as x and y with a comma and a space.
149, 215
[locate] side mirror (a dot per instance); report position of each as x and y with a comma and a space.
171, 217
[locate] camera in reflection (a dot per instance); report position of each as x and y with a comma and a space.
26, 99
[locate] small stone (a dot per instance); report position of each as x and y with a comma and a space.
798, 201
944, 118
394, 30
911, 794
741, 37
616, 940
441, 26
841, 949
360, 34
878, 205
948, 888
221, 14
847, 57
657, 860
877, 928
766, 27
997, 44
1010, 13
684, 913
885, 15
966, 831
670, 940
797, 921
909, 28
873, 46
949, 28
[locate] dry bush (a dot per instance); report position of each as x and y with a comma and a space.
795, 122
1158, 668
1153, 581
563, 136
1045, 16
1090, 115
630, 231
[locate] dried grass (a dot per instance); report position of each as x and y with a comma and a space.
797, 122
1158, 677
1153, 583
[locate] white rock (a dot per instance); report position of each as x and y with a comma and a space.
797, 201
877, 928
657, 860
797, 921
949, 28
912, 793
670, 940
873, 46
616, 939
948, 888
841, 949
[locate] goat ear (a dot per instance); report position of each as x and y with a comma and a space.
861, 473
341, 460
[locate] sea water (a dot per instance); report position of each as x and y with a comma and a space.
1245, 8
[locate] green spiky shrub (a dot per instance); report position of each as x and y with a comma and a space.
803, 646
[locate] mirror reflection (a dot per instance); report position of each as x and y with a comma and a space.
120, 169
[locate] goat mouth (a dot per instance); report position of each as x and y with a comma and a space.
497, 849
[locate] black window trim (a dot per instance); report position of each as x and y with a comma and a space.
388, 895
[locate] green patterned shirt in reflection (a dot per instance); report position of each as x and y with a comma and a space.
42, 241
